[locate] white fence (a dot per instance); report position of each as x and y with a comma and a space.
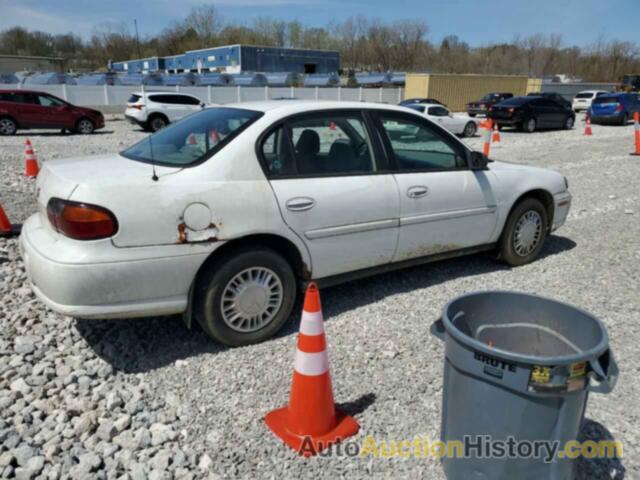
116, 96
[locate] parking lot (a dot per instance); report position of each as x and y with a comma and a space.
148, 397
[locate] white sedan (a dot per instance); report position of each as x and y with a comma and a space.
462, 125
583, 100
224, 215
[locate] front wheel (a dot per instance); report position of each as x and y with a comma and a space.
568, 123
470, 129
85, 126
524, 233
245, 298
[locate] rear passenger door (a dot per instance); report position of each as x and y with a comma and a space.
333, 189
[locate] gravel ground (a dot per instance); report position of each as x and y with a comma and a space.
147, 398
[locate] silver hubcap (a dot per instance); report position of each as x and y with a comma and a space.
251, 299
7, 126
470, 130
569, 122
527, 233
531, 125
158, 123
85, 126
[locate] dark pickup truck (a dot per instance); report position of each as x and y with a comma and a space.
481, 107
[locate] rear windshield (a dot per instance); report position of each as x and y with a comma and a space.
134, 98
194, 138
585, 95
515, 101
606, 100
419, 108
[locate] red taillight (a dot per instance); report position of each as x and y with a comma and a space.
81, 221
137, 106
510, 110
619, 108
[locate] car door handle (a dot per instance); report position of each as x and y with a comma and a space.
300, 204
417, 191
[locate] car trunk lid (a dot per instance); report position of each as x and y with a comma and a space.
605, 106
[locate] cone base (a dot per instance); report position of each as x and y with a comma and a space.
635, 154
309, 445
14, 232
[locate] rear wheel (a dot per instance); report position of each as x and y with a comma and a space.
245, 298
8, 126
625, 119
85, 126
470, 129
530, 125
472, 115
524, 233
157, 122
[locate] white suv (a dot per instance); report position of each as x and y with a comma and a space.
155, 110
582, 101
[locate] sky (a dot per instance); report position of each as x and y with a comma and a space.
478, 22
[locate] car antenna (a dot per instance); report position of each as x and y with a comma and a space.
154, 175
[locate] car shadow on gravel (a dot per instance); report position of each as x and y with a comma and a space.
144, 344
597, 468
57, 133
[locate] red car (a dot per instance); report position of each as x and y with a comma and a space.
26, 109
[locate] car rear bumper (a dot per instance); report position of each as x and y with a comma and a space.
562, 202
612, 118
77, 279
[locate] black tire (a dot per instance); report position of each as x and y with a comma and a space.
84, 126
625, 119
8, 126
530, 125
157, 122
470, 129
569, 122
508, 251
212, 284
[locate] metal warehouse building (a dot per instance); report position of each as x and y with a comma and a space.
237, 59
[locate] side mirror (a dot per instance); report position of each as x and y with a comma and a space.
478, 161
202, 104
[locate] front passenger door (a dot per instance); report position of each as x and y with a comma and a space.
444, 205
333, 191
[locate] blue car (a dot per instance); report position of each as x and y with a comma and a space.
614, 108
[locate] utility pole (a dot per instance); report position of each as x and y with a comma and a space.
135, 24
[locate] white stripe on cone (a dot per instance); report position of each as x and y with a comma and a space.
312, 323
311, 363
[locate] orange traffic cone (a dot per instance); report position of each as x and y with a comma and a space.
6, 229
587, 128
496, 134
311, 423
487, 138
31, 163
636, 128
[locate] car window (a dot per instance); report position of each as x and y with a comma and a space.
29, 98
187, 100
418, 147
438, 111
417, 108
7, 97
47, 101
134, 98
193, 139
322, 144
585, 95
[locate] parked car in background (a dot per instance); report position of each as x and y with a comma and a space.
411, 101
481, 107
582, 101
457, 124
27, 109
532, 113
614, 108
155, 110
551, 96
228, 212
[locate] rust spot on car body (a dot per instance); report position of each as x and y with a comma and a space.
206, 235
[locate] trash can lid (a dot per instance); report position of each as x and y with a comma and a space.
524, 328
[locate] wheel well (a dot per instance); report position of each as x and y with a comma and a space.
543, 197
10, 118
158, 114
281, 245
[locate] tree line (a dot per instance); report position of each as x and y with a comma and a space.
365, 44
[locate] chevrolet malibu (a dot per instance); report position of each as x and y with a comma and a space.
224, 215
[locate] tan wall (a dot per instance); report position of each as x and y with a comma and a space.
457, 90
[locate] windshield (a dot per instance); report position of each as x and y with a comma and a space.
193, 139
419, 108
585, 95
607, 100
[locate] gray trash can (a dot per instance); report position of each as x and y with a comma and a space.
518, 366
